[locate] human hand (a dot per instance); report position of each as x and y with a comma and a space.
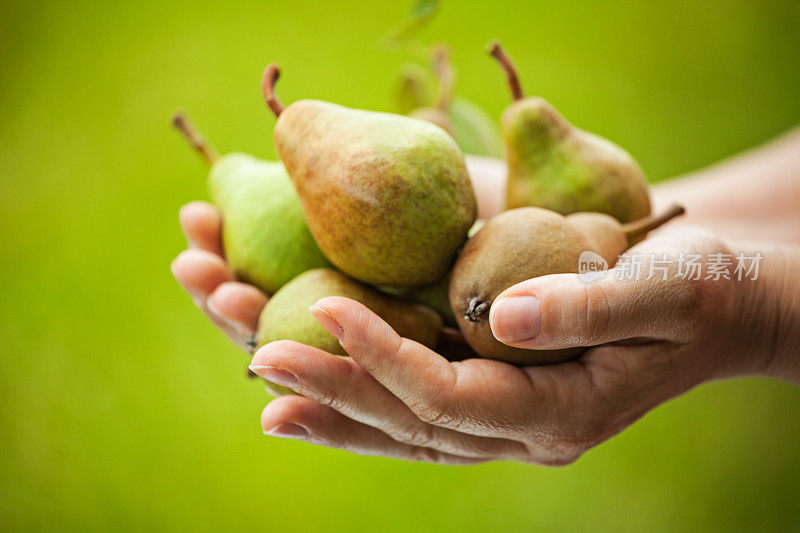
656, 339
232, 306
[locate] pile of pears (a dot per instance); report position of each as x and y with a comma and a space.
379, 208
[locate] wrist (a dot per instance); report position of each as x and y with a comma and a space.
768, 315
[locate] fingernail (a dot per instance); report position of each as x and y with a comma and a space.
516, 318
288, 431
327, 321
275, 375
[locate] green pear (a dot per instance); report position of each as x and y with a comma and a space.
413, 89
553, 164
286, 315
525, 243
264, 234
472, 128
387, 197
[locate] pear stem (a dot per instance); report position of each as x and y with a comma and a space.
644, 225
496, 51
271, 75
452, 335
194, 137
444, 73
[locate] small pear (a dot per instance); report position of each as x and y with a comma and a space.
525, 243
608, 238
553, 164
387, 197
286, 315
264, 234
471, 127
413, 89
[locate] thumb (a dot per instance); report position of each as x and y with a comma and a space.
561, 311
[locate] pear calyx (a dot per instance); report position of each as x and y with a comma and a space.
496, 51
638, 228
268, 80
194, 137
476, 308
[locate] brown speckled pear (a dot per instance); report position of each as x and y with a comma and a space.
286, 315
387, 197
608, 238
525, 243
553, 164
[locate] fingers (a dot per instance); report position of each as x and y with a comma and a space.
200, 272
476, 396
295, 417
342, 384
202, 225
210, 282
560, 311
240, 304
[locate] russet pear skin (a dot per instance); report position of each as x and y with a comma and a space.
525, 243
286, 315
387, 198
605, 235
265, 236
555, 165
510, 248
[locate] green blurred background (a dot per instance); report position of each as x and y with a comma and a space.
123, 408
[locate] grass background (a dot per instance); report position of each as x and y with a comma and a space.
123, 408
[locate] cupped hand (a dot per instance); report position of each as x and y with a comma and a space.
654, 339
232, 306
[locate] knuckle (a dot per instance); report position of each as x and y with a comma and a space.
330, 399
427, 455
596, 312
434, 412
414, 435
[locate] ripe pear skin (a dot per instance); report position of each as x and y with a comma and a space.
387, 198
511, 247
265, 236
286, 315
555, 165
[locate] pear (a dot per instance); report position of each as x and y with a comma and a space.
472, 128
434, 296
608, 238
386, 197
525, 243
264, 234
286, 315
553, 164
413, 89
